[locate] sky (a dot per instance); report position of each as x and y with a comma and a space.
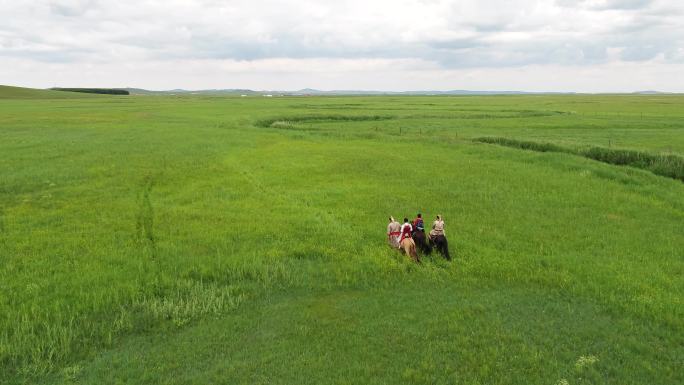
390, 45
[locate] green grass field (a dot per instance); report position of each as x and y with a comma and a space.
227, 240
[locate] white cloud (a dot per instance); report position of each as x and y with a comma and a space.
287, 44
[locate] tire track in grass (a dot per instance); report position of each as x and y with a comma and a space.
144, 225
2, 220
3, 241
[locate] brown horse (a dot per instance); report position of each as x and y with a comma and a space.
409, 248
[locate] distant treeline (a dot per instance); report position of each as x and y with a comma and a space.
105, 91
668, 165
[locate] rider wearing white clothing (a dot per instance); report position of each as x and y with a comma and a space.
437, 227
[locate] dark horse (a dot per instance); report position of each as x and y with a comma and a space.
421, 242
440, 243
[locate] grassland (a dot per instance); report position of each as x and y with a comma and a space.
185, 240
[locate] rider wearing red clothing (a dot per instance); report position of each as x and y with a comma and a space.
406, 230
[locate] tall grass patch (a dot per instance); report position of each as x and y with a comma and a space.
668, 165
289, 121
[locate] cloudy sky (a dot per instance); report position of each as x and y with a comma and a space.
552, 45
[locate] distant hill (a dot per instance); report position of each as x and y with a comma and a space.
140, 91
9, 92
311, 91
651, 93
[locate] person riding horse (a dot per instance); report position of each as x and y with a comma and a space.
419, 234
406, 240
438, 238
418, 223
393, 233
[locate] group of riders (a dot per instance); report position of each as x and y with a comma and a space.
411, 235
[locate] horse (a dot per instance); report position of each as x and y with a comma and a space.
408, 246
421, 242
440, 243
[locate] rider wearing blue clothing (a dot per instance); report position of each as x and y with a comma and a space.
418, 223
